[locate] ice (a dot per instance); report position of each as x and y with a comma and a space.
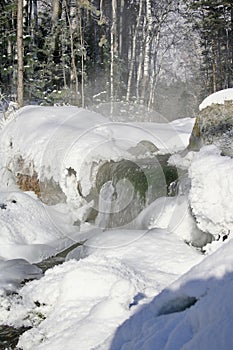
105, 202
14, 271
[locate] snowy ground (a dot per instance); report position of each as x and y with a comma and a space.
136, 288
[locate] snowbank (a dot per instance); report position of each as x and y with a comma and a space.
218, 97
83, 302
195, 312
212, 190
32, 230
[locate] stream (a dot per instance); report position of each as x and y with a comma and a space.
9, 335
150, 180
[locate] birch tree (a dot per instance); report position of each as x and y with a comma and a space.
20, 87
133, 51
148, 45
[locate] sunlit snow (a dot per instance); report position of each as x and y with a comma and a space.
152, 285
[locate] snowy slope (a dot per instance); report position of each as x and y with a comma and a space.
195, 312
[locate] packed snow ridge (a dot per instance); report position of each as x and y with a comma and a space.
137, 288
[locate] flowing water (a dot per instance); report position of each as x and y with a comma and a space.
9, 336
125, 188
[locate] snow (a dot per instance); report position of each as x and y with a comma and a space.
14, 271
218, 97
138, 288
32, 230
212, 190
195, 312
97, 293
66, 138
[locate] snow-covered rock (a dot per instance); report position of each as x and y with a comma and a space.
219, 97
214, 124
66, 146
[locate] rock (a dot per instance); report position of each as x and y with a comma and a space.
144, 148
214, 125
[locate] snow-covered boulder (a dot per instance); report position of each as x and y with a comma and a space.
57, 152
219, 97
214, 124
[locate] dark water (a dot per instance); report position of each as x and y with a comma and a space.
9, 337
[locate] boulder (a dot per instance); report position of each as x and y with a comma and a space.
214, 125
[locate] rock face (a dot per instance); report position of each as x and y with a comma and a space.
214, 125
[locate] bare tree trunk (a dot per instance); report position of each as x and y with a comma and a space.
141, 57
121, 27
20, 89
73, 64
156, 68
134, 44
113, 49
35, 13
101, 10
63, 62
82, 58
214, 72
147, 59
56, 15
231, 49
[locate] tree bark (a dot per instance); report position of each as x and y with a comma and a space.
82, 58
134, 44
147, 59
214, 71
113, 48
74, 74
20, 90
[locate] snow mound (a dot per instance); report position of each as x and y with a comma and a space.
83, 302
30, 229
88, 297
212, 190
218, 97
195, 312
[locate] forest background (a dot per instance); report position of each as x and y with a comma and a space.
121, 57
